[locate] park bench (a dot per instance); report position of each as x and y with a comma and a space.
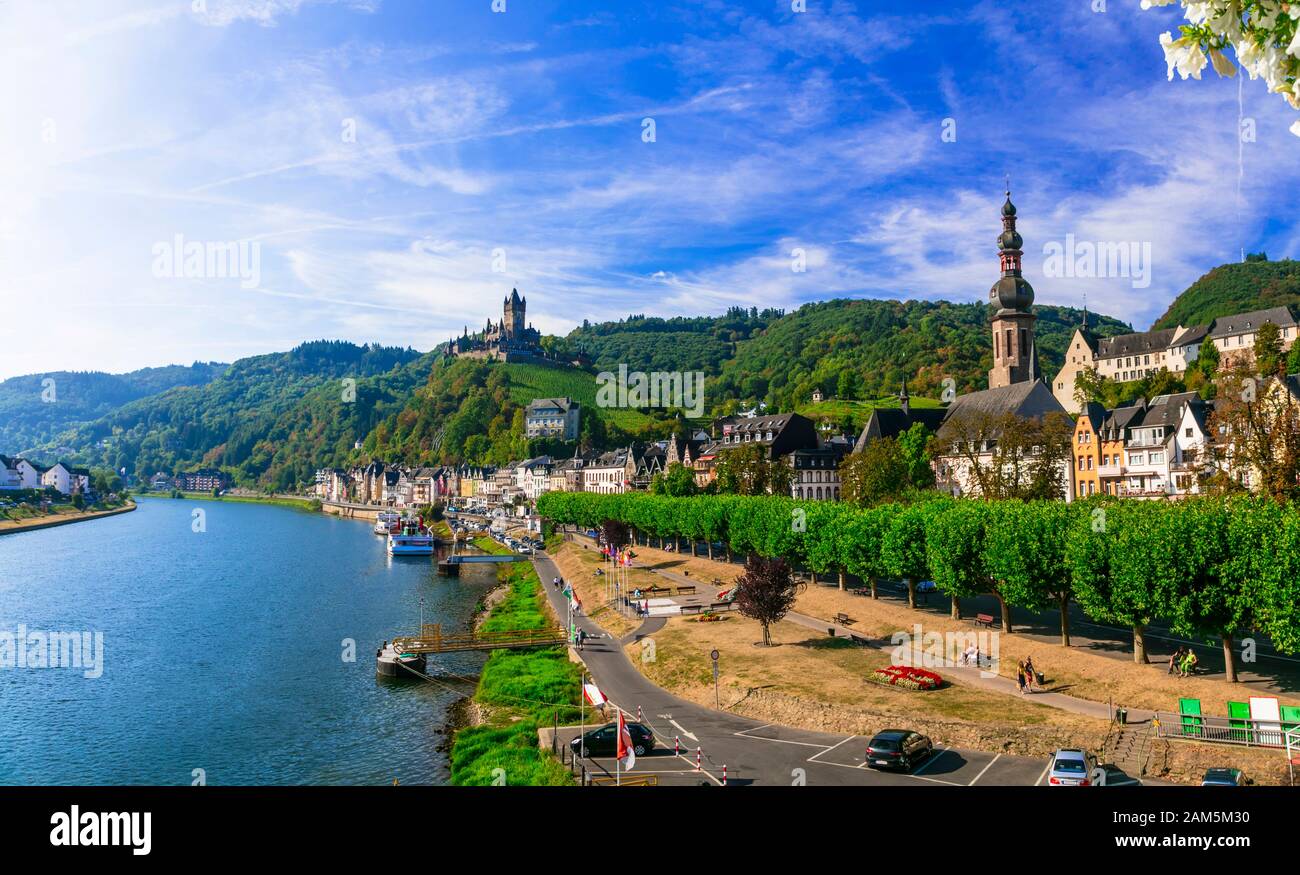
843, 619
720, 606
691, 609
657, 590
984, 620
686, 590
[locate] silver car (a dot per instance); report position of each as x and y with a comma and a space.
1071, 768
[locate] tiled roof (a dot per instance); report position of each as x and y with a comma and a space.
1244, 323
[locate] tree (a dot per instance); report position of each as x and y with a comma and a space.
677, 481
1268, 350
877, 474
1257, 422
766, 592
1025, 552
1118, 556
903, 547
616, 533
864, 534
846, 387
954, 548
915, 445
747, 470
1008, 456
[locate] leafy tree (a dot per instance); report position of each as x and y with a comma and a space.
747, 470
1025, 553
766, 592
1268, 350
677, 481
915, 445
1007, 456
903, 547
954, 546
863, 536
877, 474
1260, 419
1118, 557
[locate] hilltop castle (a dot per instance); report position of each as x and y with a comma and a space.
506, 341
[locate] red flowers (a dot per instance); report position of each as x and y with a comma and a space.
907, 677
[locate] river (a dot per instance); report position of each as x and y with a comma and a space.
225, 650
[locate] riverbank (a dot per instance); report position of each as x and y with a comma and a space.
518, 691
312, 504
8, 527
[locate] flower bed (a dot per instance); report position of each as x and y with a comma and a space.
906, 677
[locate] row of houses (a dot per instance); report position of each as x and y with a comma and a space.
19, 473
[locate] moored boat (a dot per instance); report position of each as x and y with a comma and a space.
386, 520
390, 663
411, 538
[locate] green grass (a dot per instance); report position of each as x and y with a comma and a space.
529, 381
281, 501
525, 688
858, 411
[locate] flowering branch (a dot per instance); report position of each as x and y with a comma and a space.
1262, 33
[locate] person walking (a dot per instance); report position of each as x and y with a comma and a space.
1176, 660
1020, 676
1031, 677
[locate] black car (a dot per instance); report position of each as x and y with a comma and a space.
603, 742
898, 749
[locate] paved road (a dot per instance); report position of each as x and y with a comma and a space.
755, 752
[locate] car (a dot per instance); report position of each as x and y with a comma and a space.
603, 741
1071, 768
1223, 778
900, 749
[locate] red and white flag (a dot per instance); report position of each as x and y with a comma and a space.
593, 695
625, 755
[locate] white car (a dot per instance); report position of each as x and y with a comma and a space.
1071, 768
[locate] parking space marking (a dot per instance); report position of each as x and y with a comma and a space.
983, 770
1046, 769
938, 754
813, 758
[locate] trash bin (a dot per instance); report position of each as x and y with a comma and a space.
1121, 716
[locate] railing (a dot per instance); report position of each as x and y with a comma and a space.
432, 640
1223, 730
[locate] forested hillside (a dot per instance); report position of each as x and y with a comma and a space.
36, 409
860, 349
1255, 284
695, 343
268, 419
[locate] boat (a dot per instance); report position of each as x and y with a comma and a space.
411, 537
390, 663
385, 521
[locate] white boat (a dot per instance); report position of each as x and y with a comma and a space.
410, 538
386, 520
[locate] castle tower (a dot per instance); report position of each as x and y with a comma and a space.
512, 326
1015, 354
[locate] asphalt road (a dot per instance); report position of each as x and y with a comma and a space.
754, 752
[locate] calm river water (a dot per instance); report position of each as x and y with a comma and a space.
224, 650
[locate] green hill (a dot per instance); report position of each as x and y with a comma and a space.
1235, 288
268, 419
35, 411
682, 343
861, 349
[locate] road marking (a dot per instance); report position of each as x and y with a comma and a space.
824, 747
1046, 769
813, 758
747, 731
983, 770
904, 774
934, 758
682, 730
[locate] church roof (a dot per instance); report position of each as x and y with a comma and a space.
1027, 399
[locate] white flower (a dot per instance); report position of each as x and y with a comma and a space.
1222, 65
1295, 128
1183, 55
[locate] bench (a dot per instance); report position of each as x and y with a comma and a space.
690, 609
657, 590
984, 620
720, 606
686, 590
843, 619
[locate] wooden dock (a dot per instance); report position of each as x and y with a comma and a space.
433, 640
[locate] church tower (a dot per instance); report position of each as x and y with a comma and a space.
1015, 355
512, 326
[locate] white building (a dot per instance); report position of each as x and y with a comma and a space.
552, 418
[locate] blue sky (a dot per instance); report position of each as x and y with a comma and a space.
128, 123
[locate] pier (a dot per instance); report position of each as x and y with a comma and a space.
450, 565
433, 640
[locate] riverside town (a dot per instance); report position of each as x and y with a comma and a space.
839, 406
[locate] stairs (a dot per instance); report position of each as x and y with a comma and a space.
1130, 748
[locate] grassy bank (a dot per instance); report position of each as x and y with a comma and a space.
20, 519
312, 504
519, 690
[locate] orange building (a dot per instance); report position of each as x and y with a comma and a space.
1088, 450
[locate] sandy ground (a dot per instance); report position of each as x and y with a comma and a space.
1075, 672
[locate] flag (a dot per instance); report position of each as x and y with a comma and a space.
625, 755
593, 695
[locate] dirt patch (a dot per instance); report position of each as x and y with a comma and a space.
1186, 762
811, 682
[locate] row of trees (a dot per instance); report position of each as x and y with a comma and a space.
1209, 567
